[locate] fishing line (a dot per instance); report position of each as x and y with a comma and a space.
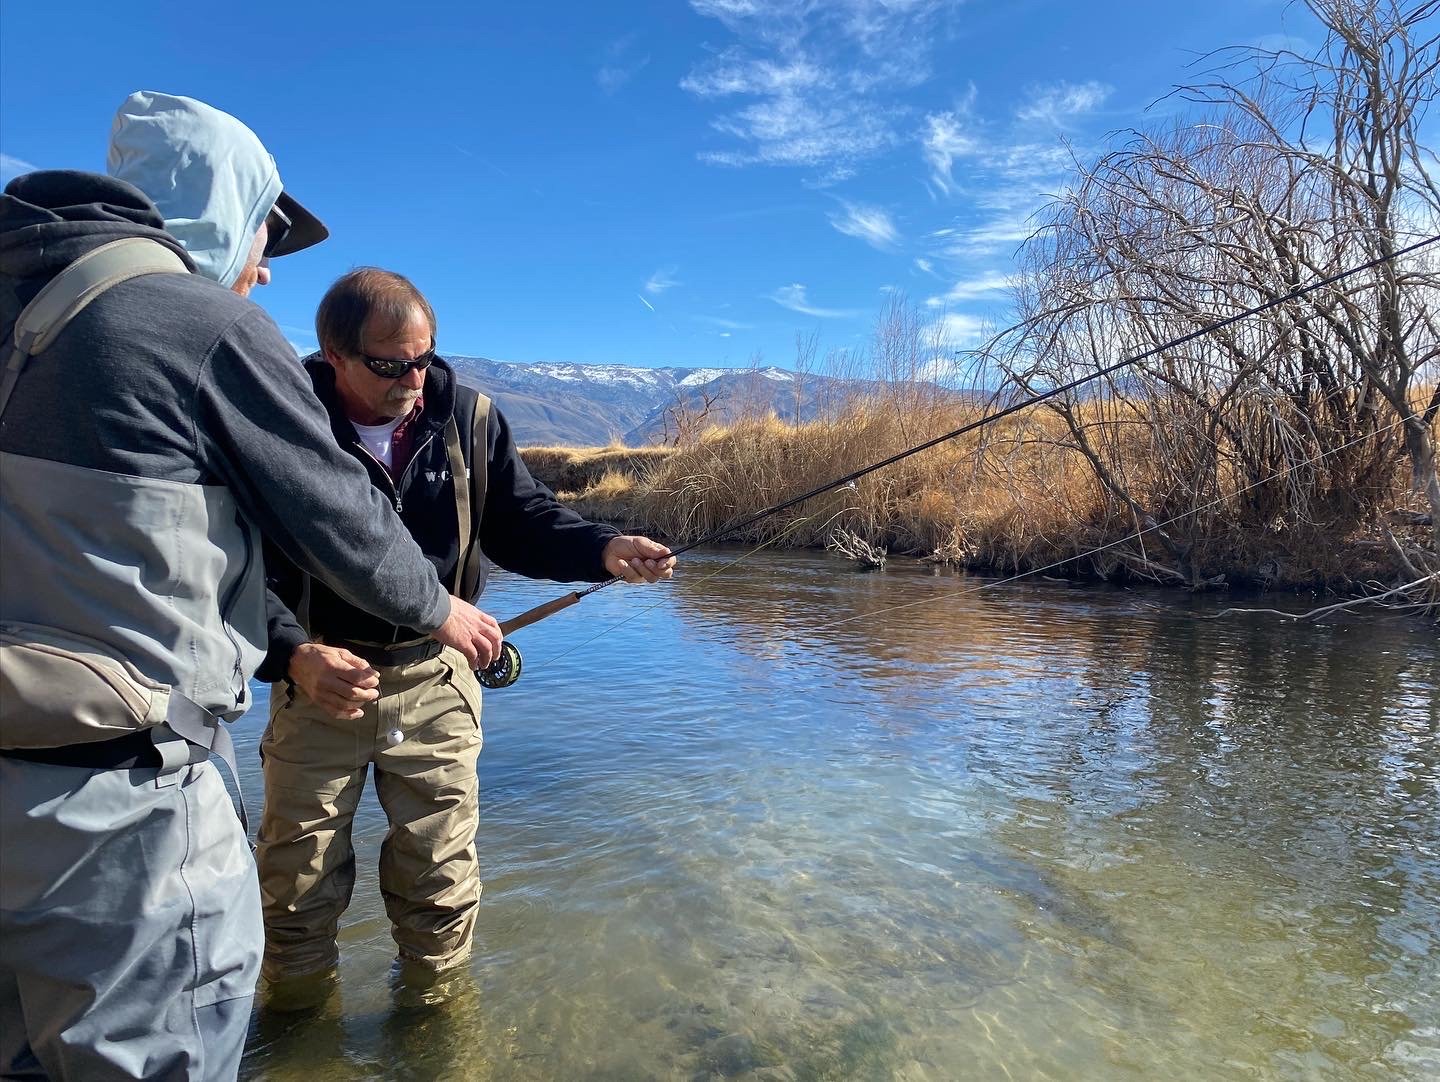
1043, 396
1113, 544
691, 583
1003, 581
505, 670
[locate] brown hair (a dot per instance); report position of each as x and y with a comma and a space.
367, 295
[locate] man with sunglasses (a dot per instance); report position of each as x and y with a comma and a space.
363, 691
155, 426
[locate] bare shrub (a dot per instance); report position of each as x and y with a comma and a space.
1279, 434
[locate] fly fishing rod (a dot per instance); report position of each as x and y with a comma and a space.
505, 669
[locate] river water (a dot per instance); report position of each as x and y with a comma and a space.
770, 826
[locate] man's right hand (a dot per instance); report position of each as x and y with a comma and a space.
334, 679
474, 633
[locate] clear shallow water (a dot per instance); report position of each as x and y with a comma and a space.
1042, 832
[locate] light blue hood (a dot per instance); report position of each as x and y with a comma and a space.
210, 176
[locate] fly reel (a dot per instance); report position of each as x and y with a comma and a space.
504, 670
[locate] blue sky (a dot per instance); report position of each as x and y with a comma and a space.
642, 183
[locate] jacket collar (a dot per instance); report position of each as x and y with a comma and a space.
438, 394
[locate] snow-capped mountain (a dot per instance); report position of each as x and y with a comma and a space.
554, 402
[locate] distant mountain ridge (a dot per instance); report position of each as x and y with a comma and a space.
587, 405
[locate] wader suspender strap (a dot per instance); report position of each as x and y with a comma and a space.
460, 482
38, 325
470, 497
65, 295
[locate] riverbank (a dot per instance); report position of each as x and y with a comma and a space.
1016, 496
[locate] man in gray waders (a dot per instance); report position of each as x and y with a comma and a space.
154, 424
365, 690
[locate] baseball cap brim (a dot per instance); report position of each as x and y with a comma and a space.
305, 229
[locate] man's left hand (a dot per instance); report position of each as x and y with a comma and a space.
638, 559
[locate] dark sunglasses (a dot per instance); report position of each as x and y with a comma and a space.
392, 369
277, 229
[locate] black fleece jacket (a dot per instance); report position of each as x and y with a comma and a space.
523, 528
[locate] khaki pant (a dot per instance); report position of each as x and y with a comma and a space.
315, 768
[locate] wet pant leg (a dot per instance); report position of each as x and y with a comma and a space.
314, 768
429, 874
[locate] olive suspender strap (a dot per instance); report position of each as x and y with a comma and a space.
469, 497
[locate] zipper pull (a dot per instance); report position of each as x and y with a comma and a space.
399, 507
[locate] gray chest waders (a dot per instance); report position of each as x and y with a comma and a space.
182, 731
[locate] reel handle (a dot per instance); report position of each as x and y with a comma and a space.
504, 670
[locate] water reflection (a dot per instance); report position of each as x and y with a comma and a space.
1043, 832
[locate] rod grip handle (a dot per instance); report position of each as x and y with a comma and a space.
538, 613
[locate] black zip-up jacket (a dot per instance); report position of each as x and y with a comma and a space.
523, 527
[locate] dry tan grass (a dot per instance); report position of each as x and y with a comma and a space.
1013, 495
574, 471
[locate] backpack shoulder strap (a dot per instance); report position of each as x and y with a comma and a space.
65, 295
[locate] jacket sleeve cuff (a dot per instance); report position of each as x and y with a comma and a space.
438, 615
603, 536
284, 641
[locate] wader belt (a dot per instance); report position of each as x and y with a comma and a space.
189, 734
135, 749
389, 656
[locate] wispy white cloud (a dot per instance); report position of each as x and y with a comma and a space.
732, 73
996, 234
1055, 104
729, 10
971, 249
1025, 167
924, 265
643, 301
877, 29
790, 129
955, 331
820, 73
620, 64
661, 280
946, 137
1005, 184
11, 167
873, 225
728, 324
794, 298
988, 284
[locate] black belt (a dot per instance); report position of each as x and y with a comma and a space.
135, 749
189, 734
389, 656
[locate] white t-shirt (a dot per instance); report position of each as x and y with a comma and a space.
379, 440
